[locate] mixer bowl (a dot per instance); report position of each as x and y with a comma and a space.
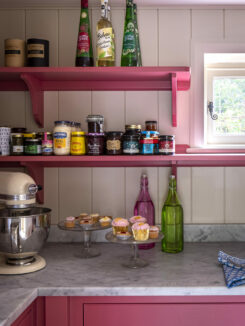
23, 232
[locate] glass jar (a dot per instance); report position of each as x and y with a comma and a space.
32, 146
78, 143
95, 123
29, 134
62, 137
17, 145
149, 142
151, 125
131, 144
78, 126
132, 129
47, 142
167, 144
95, 143
114, 143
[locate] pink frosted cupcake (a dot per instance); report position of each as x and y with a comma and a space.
119, 224
154, 232
136, 219
141, 231
70, 222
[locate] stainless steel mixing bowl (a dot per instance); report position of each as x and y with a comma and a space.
23, 232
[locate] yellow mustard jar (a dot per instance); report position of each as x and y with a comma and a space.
78, 143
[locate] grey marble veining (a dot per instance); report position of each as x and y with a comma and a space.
192, 233
195, 271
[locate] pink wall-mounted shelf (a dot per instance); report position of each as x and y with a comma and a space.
40, 79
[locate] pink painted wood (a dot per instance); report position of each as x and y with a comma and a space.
56, 311
26, 318
40, 79
174, 99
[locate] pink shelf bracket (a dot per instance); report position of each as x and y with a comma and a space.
37, 173
174, 99
37, 97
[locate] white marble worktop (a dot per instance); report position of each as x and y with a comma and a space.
195, 271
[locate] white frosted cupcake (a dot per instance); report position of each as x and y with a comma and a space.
119, 224
141, 231
135, 219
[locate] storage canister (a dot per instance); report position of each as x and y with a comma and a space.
17, 145
62, 137
95, 143
113, 142
149, 142
167, 144
5, 133
32, 146
95, 123
37, 52
14, 53
78, 143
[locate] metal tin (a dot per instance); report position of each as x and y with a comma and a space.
17, 145
14, 50
32, 146
37, 53
114, 143
78, 146
167, 144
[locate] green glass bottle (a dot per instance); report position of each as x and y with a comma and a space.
139, 59
84, 55
172, 220
129, 49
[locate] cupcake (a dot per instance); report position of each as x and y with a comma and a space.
105, 221
95, 217
82, 215
154, 232
70, 222
86, 221
123, 235
140, 231
136, 219
119, 224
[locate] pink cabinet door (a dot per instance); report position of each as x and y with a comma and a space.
172, 314
26, 318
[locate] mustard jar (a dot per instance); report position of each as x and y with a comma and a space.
78, 143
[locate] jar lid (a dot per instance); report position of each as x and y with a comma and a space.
95, 118
153, 121
62, 122
133, 127
131, 137
17, 136
13, 130
149, 132
29, 134
32, 140
167, 137
37, 40
78, 133
114, 133
96, 134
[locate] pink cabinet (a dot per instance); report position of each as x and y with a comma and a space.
33, 315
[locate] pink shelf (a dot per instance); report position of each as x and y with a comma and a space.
38, 80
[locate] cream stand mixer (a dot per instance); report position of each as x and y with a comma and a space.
24, 227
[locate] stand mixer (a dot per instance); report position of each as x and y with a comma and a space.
24, 227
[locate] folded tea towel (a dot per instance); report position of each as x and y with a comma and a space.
234, 269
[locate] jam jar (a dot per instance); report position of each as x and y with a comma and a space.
149, 142
17, 145
95, 143
114, 142
32, 146
95, 123
151, 125
47, 142
167, 144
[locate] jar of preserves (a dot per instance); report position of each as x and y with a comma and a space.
95, 143
47, 142
78, 143
149, 142
114, 143
131, 144
32, 146
62, 137
167, 144
17, 145
151, 125
95, 123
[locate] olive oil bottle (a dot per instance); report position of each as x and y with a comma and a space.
105, 44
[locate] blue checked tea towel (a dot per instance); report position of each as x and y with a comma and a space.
234, 269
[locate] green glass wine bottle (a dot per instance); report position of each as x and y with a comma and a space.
129, 49
172, 220
84, 55
139, 59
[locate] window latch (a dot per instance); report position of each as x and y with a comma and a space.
211, 111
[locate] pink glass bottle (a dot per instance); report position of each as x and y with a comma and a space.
145, 207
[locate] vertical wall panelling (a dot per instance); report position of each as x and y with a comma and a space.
12, 109
51, 191
174, 42
234, 195
94, 19
208, 195
163, 180
148, 36
68, 31
235, 25
44, 24
184, 192
117, 19
207, 25
12, 25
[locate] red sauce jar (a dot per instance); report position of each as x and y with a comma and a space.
167, 145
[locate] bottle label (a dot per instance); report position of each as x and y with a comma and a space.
35, 51
129, 41
60, 139
83, 42
105, 44
18, 149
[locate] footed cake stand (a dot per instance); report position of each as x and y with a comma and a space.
87, 251
134, 261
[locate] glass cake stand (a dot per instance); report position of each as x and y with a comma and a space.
135, 261
87, 251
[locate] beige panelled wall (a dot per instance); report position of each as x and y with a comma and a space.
209, 195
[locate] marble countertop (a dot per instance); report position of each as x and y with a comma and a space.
195, 271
